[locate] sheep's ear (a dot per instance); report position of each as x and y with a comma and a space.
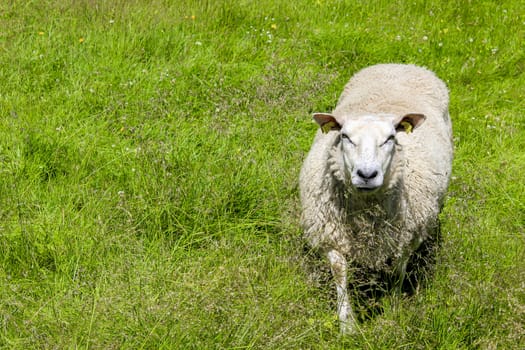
409, 122
327, 122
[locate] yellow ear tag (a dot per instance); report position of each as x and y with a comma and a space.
407, 126
327, 127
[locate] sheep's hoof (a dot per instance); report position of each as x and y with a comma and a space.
347, 327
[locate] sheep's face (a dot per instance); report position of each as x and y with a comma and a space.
368, 145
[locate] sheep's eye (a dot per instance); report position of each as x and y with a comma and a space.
347, 138
390, 139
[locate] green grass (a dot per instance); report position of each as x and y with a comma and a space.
149, 156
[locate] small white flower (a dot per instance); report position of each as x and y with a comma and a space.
198, 43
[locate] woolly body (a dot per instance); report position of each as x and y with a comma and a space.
380, 230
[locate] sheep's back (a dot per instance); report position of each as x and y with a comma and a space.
395, 89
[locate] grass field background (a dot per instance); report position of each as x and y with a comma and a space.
149, 157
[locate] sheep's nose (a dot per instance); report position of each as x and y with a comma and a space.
367, 174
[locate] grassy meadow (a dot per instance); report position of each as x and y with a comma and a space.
149, 160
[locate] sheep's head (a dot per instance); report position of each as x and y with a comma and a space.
368, 144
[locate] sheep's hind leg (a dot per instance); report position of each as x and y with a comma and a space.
338, 265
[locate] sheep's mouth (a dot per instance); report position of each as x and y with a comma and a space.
367, 189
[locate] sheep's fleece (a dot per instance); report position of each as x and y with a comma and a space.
373, 183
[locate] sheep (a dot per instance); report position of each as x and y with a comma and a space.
373, 183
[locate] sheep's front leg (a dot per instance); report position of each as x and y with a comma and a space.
338, 265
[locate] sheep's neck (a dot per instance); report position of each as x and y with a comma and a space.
386, 206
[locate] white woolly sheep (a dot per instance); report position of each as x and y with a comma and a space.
371, 189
